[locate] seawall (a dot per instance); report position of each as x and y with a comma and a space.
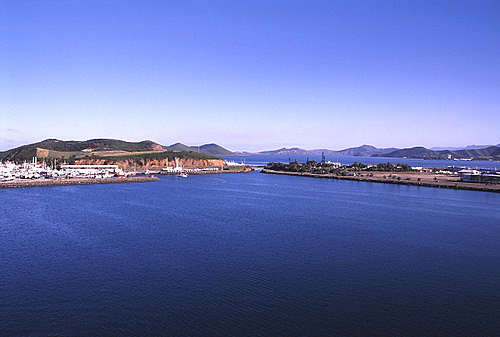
74, 181
245, 169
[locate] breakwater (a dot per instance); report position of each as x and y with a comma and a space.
245, 169
74, 181
445, 182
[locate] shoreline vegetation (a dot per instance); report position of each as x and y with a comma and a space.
399, 174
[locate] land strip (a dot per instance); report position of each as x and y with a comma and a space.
73, 181
415, 179
231, 170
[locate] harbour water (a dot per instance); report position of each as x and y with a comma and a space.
249, 254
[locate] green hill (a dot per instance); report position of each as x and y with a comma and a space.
414, 152
216, 150
363, 150
179, 147
26, 152
489, 153
97, 145
211, 148
140, 157
106, 148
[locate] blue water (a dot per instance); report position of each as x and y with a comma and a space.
347, 160
249, 254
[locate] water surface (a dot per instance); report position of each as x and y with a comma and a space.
249, 254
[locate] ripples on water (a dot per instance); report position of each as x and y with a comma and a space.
249, 254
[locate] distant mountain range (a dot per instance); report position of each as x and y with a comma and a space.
363, 150
54, 148
468, 147
470, 152
488, 153
284, 150
58, 149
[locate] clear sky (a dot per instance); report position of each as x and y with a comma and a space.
251, 75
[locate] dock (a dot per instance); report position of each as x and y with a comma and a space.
21, 183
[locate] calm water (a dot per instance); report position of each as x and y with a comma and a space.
249, 254
347, 160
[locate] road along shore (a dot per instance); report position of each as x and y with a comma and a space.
73, 181
415, 179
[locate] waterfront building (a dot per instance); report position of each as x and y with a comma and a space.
176, 169
92, 170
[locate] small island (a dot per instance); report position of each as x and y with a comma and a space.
402, 174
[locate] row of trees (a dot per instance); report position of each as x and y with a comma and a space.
323, 168
309, 166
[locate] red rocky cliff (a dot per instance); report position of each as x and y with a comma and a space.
130, 164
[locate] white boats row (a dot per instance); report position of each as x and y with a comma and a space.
35, 170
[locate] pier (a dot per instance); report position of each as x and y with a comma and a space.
20, 183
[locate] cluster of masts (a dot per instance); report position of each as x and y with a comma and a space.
10, 171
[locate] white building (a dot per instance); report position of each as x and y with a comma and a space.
176, 169
92, 170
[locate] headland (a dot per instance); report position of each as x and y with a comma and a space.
384, 173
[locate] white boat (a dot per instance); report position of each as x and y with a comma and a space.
182, 175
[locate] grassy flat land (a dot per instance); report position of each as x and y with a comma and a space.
44, 153
50, 149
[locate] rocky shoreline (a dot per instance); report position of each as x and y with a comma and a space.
452, 184
74, 181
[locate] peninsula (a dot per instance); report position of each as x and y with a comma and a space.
129, 156
54, 162
401, 174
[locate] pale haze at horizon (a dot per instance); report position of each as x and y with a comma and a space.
251, 75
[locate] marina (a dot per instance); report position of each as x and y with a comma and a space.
39, 174
36, 173
41, 170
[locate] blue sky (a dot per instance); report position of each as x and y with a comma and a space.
251, 75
